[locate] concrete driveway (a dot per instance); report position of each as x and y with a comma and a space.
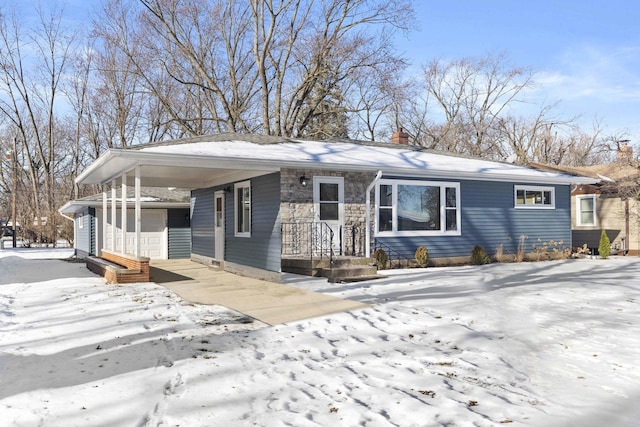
269, 302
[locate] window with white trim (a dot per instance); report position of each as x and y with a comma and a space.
242, 191
417, 208
530, 197
586, 210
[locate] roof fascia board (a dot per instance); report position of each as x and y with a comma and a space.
136, 157
558, 179
234, 177
96, 165
76, 206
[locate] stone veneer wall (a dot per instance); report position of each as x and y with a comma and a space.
296, 202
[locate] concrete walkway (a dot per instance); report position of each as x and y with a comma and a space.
269, 302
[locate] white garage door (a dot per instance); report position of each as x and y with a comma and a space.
153, 236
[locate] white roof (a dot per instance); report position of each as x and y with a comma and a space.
191, 160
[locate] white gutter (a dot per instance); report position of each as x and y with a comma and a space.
74, 226
368, 214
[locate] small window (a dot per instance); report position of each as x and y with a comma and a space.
219, 218
329, 201
586, 210
534, 197
243, 209
385, 208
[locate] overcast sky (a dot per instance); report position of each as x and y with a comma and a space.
586, 52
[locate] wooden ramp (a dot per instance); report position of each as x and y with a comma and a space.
271, 303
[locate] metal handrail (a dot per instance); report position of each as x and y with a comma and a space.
316, 240
307, 239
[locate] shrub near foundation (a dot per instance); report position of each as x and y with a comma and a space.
479, 256
381, 259
422, 256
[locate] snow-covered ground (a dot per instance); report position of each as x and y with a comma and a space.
538, 344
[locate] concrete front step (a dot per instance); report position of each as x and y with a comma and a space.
341, 261
353, 273
355, 279
342, 268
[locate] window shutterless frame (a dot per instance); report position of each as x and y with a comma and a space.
586, 210
242, 209
417, 208
534, 197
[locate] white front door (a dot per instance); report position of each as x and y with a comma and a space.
218, 206
328, 201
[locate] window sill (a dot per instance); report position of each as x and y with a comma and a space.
417, 233
534, 207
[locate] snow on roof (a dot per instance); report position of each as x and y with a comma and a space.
357, 156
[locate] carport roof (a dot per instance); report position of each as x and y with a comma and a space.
218, 159
152, 198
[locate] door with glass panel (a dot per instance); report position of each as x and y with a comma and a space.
328, 201
219, 225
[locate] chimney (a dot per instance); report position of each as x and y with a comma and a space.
400, 137
625, 153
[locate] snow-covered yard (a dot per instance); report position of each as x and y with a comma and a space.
539, 344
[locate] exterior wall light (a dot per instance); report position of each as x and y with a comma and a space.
304, 180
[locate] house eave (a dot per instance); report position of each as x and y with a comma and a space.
115, 162
76, 206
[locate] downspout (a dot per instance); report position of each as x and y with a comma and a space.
368, 213
627, 241
74, 227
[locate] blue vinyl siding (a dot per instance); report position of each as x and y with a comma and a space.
488, 218
179, 233
262, 249
202, 232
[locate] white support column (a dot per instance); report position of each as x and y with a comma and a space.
138, 213
123, 208
104, 221
114, 209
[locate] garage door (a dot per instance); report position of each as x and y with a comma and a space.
153, 235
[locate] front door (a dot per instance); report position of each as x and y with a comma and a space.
218, 220
328, 201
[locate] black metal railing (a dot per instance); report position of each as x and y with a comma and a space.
353, 240
308, 239
321, 240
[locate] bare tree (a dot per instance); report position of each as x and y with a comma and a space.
32, 65
468, 96
276, 67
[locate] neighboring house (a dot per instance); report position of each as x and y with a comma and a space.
165, 232
258, 200
610, 204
